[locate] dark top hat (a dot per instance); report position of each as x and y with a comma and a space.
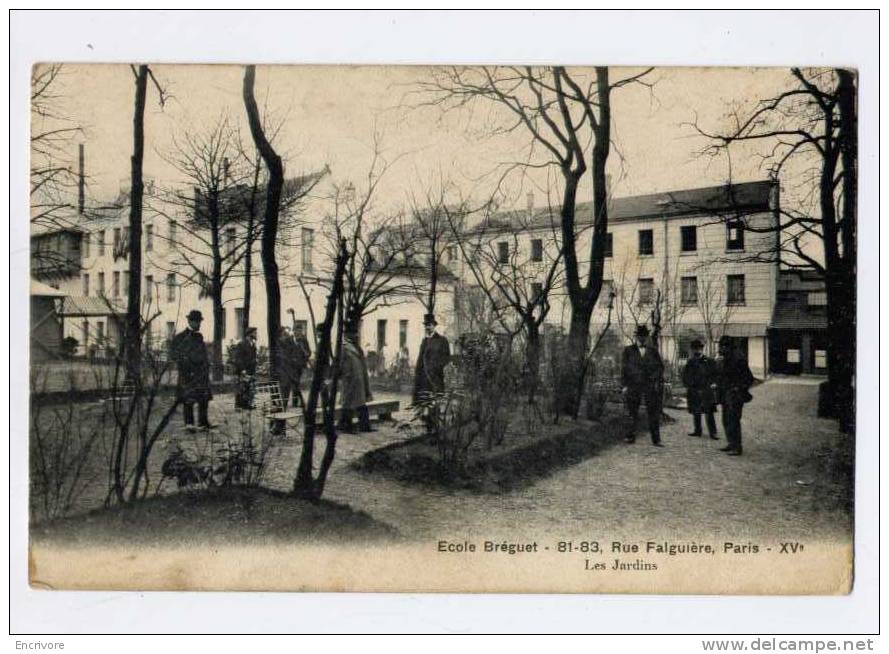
194, 314
429, 319
251, 331
697, 344
641, 330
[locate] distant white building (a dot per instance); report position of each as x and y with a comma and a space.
90, 265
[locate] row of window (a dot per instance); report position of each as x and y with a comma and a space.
121, 241
688, 234
735, 291
120, 282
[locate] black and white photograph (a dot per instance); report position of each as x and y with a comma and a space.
483, 327
483, 314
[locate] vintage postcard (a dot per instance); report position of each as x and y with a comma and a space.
443, 329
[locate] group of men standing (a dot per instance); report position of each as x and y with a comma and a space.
725, 382
189, 352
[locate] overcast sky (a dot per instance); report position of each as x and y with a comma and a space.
330, 114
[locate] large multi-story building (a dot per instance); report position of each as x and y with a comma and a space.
693, 256
690, 256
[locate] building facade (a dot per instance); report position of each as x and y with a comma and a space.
798, 331
688, 259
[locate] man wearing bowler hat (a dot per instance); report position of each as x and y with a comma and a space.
642, 378
435, 354
193, 364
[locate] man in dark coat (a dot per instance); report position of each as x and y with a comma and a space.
643, 373
193, 364
294, 353
435, 354
699, 377
355, 381
243, 361
733, 381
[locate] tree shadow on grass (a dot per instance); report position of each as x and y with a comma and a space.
216, 516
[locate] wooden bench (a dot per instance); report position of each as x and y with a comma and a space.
267, 396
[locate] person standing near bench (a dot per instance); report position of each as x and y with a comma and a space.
699, 377
435, 354
244, 367
193, 365
355, 386
294, 354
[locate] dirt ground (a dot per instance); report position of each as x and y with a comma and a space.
780, 488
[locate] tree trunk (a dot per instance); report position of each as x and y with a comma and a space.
573, 359
248, 255
133, 330
216, 291
270, 219
303, 484
532, 354
841, 322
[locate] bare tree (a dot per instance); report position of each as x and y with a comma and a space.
275, 167
715, 309
809, 133
375, 270
52, 133
516, 282
305, 484
207, 215
562, 112
424, 235
132, 340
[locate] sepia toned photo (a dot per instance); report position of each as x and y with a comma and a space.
516, 329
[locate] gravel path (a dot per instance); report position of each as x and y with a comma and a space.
779, 489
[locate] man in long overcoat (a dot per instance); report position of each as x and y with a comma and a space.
193, 365
642, 379
243, 361
435, 354
355, 386
699, 377
734, 380
294, 353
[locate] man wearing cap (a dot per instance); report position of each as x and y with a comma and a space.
193, 364
699, 377
642, 378
435, 354
733, 381
243, 360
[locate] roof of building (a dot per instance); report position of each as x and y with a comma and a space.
39, 289
90, 306
794, 313
742, 198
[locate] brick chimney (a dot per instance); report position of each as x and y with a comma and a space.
529, 204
